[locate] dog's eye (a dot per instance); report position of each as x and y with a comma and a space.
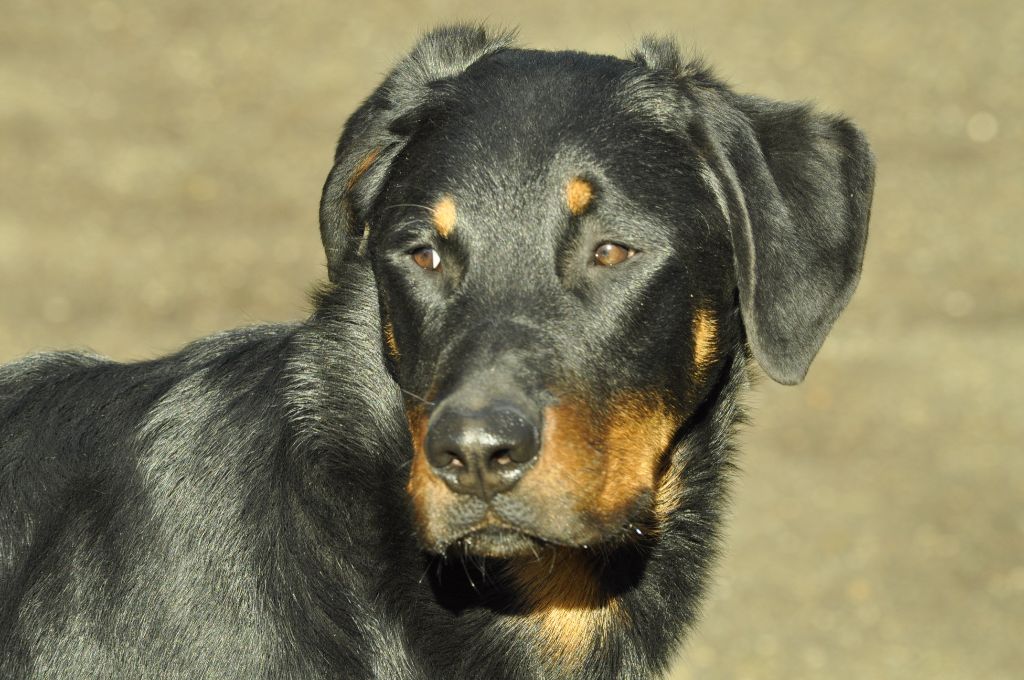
427, 258
611, 254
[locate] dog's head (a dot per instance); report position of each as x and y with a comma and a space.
567, 249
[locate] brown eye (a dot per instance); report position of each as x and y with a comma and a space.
611, 254
427, 258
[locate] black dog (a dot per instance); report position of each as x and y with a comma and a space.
498, 449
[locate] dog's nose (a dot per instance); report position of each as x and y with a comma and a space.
481, 451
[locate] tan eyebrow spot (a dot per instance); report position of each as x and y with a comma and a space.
444, 215
578, 194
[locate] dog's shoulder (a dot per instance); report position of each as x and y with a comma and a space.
68, 416
81, 430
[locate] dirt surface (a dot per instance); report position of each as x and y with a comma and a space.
160, 166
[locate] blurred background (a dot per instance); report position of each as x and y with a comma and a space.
161, 163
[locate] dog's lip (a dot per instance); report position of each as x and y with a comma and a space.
499, 539
493, 531
496, 529
492, 527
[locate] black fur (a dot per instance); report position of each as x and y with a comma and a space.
239, 509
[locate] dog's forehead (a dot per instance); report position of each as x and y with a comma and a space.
544, 91
522, 137
523, 114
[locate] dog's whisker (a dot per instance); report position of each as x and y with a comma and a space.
465, 570
416, 396
424, 574
409, 205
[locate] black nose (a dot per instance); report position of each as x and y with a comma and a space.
483, 450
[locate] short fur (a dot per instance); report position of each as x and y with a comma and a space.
240, 508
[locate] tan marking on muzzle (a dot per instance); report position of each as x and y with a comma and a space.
578, 195
444, 216
389, 338
595, 471
605, 460
637, 441
427, 491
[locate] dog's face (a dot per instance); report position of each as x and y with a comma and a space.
551, 271
559, 243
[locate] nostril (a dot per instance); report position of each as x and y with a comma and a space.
501, 457
447, 459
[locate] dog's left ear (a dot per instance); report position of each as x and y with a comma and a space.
796, 186
801, 197
380, 128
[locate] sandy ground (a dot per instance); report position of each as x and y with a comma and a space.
160, 166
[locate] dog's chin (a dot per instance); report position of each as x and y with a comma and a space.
501, 542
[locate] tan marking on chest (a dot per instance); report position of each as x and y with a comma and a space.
567, 604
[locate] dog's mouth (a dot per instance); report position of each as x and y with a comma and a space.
492, 533
499, 540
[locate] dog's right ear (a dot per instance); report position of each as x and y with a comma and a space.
381, 127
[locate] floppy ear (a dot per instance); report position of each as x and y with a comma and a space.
797, 188
380, 128
801, 185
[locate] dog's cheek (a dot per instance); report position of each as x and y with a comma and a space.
553, 497
637, 432
599, 469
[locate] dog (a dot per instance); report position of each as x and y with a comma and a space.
500, 445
